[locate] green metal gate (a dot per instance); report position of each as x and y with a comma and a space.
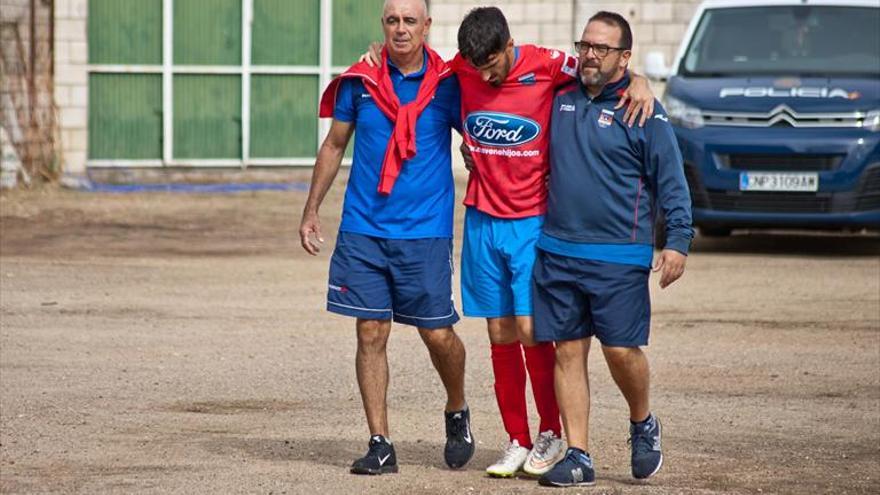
216, 82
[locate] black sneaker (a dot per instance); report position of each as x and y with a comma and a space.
380, 459
576, 469
459, 440
644, 439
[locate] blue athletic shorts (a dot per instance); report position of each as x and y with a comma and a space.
496, 264
407, 280
577, 298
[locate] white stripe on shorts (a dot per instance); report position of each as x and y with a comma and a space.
421, 318
357, 308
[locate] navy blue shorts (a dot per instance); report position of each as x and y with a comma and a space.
576, 298
407, 280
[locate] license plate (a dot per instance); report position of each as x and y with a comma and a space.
773, 181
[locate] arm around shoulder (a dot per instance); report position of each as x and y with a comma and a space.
639, 100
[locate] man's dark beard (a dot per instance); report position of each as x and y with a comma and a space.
602, 77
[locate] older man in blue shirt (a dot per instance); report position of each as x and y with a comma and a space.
393, 256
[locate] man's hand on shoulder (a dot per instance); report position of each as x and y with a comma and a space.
640, 98
310, 233
671, 265
469, 163
373, 55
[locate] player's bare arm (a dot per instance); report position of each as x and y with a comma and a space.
326, 167
671, 265
639, 101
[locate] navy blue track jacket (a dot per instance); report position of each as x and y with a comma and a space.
607, 180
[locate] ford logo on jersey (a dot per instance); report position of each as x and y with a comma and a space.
501, 129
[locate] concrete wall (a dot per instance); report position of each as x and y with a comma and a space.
548, 23
657, 26
71, 82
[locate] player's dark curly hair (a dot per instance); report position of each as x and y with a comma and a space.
482, 33
614, 19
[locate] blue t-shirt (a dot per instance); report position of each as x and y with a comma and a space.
421, 203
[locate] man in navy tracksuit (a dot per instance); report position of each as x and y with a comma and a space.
607, 183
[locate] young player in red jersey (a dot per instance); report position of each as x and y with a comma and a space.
506, 97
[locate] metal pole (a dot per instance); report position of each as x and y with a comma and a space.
247, 9
32, 91
167, 81
325, 61
52, 41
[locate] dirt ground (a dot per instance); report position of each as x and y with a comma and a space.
169, 343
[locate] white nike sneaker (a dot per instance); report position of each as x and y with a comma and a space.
511, 461
548, 450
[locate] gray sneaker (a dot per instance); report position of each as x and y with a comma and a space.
575, 469
644, 439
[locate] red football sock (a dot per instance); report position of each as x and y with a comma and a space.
540, 360
510, 391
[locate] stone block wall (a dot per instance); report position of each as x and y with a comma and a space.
547, 23
657, 26
71, 82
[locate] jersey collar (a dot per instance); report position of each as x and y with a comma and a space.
415, 75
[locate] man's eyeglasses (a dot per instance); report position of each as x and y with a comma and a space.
600, 50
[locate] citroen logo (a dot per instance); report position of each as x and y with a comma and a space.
782, 113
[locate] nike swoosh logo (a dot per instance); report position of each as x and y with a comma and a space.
383, 459
467, 436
